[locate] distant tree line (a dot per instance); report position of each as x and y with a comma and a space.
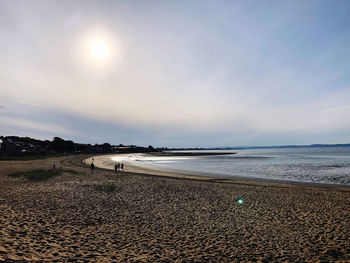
11, 146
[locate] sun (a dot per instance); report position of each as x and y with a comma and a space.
99, 49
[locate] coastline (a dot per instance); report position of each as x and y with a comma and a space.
135, 217
105, 162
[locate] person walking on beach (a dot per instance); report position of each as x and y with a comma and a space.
116, 168
122, 167
92, 167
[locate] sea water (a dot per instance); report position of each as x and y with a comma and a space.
324, 165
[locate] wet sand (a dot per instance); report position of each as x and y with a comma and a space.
147, 218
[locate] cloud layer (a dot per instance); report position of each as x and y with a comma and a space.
180, 73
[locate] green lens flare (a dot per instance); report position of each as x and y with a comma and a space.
240, 201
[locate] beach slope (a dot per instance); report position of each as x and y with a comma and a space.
106, 217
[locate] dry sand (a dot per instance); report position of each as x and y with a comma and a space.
162, 219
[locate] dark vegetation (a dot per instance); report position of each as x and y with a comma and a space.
25, 148
29, 157
108, 188
40, 174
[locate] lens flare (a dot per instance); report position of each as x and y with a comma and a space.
99, 49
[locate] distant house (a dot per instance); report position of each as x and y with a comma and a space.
1, 147
7, 147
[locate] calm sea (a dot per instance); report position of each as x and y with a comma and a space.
329, 165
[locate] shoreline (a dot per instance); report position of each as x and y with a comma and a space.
104, 162
133, 217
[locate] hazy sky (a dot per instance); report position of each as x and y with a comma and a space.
177, 73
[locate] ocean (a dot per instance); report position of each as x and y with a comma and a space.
324, 165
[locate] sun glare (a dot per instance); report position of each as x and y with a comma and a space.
99, 49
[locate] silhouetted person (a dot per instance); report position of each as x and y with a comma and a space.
122, 167
54, 166
116, 168
92, 167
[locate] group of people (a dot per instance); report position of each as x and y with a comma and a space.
118, 166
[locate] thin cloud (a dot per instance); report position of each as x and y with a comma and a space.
31, 125
272, 69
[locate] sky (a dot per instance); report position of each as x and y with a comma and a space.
177, 73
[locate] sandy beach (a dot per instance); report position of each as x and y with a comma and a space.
138, 217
